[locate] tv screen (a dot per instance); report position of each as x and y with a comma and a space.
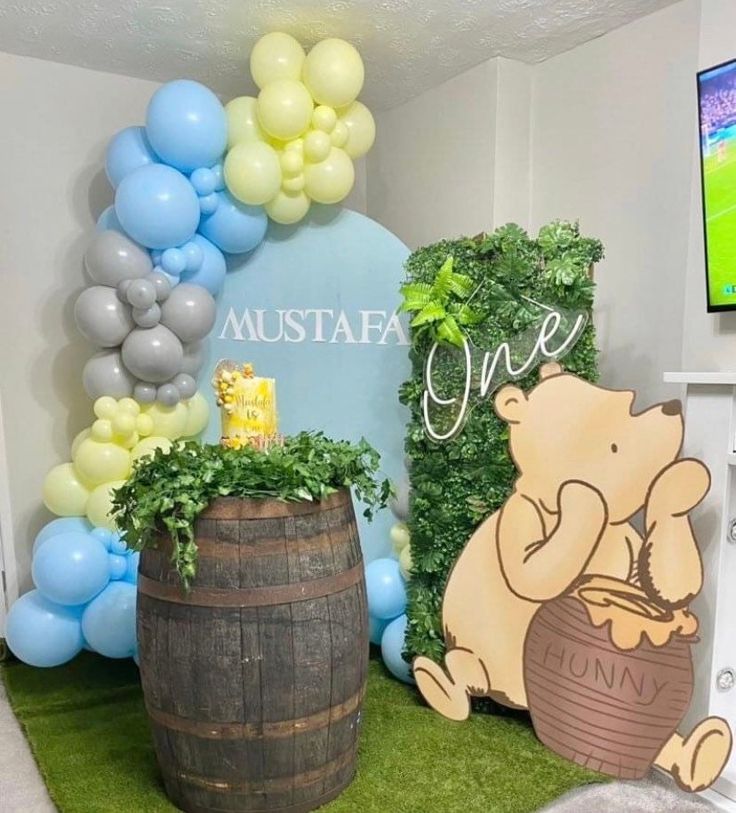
717, 105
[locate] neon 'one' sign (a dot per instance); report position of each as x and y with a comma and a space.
497, 368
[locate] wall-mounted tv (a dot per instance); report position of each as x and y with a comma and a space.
717, 105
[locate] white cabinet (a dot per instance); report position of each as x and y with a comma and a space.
710, 435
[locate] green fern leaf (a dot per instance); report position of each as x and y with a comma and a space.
433, 312
461, 285
442, 286
449, 331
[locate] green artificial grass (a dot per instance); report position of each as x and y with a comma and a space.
88, 731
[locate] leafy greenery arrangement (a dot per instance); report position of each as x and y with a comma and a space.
441, 305
458, 483
169, 490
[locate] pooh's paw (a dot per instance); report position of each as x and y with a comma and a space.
578, 499
445, 697
677, 489
703, 755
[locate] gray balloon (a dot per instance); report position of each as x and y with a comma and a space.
112, 257
144, 393
153, 355
101, 317
195, 354
147, 317
105, 374
185, 384
161, 284
168, 395
400, 503
141, 293
189, 312
122, 290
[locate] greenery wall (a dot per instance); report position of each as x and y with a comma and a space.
458, 483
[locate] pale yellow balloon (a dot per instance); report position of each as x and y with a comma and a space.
83, 435
64, 494
399, 534
317, 146
276, 56
144, 424
101, 430
324, 118
361, 129
198, 415
339, 135
168, 422
129, 405
242, 121
405, 562
98, 463
99, 505
294, 184
285, 108
147, 446
333, 72
296, 144
124, 423
288, 208
105, 407
330, 180
292, 162
253, 172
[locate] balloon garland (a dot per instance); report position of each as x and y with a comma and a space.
386, 581
196, 183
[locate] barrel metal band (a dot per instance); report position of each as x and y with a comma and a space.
275, 785
267, 730
251, 596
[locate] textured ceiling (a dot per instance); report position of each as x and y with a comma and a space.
408, 45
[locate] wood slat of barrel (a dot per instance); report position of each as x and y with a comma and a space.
253, 681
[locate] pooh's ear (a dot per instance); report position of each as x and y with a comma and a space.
510, 404
549, 369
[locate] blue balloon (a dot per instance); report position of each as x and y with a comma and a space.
60, 526
41, 633
157, 206
234, 227
128, 150
105, 536
108, 622
392, 645
386, 589
118, 565
71, 568
131, 571
376, 626
186, 125
211, 273
118, 544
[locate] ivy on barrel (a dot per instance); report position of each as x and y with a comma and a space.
169, 490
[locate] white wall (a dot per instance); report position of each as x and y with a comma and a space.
56, 121
431, 171
614, 124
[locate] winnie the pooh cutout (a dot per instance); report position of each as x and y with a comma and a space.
557, 604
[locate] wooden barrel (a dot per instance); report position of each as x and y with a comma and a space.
253, 680
604, 707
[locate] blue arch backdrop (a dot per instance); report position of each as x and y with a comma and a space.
315, 308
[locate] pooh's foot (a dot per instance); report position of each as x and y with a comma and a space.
696, 761
449, 692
